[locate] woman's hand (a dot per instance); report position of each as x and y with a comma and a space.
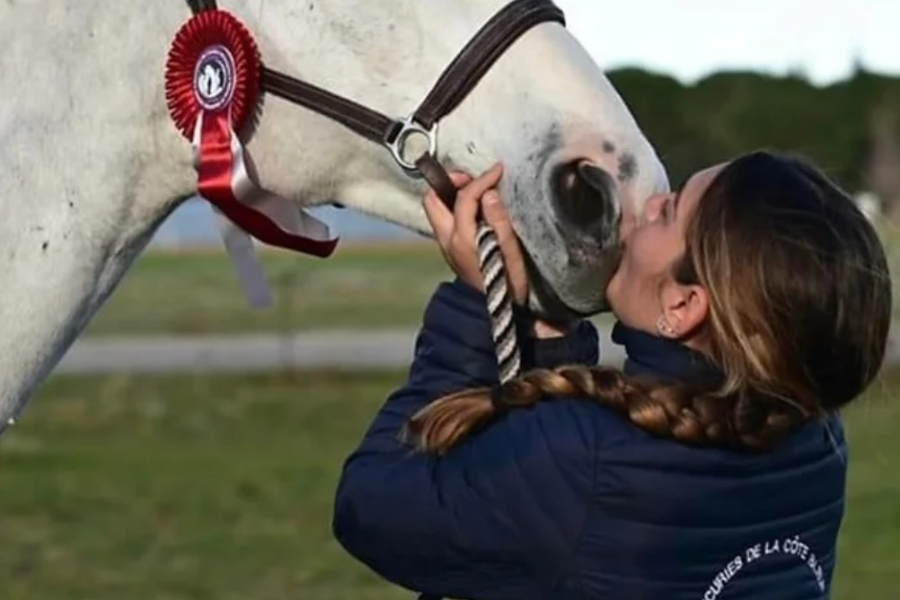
455, 233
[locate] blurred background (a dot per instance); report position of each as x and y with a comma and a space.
188, 446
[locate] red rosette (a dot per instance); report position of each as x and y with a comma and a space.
206, 31
213, 82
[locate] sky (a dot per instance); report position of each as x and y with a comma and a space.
688, 39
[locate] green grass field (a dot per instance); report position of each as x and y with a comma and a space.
360, 286
220, 488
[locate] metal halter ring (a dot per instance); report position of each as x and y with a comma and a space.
400, 132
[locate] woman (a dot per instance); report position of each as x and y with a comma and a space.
753, 304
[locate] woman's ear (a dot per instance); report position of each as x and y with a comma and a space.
685, 309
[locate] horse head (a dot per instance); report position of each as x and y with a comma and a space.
572, 151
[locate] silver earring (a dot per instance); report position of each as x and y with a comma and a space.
664, 328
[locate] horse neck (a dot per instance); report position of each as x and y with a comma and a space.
89, 165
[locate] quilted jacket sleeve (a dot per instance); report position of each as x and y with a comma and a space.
498, 515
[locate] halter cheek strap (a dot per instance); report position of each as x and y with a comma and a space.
451, 88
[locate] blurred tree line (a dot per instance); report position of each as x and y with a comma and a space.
850, 128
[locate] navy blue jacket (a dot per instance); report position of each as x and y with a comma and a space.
569, 500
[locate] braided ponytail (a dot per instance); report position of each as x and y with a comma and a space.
675, 411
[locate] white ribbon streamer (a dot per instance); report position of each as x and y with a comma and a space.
238, 243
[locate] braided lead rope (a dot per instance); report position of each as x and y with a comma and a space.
499, 303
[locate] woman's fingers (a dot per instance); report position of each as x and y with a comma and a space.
455, 229
439, 216
468, 204
469, 198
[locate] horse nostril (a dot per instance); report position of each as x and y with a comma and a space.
586, 199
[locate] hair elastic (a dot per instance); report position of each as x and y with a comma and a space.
497, 399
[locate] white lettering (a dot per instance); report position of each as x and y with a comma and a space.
754, 552
790, 546
723, 577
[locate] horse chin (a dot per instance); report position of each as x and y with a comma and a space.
579, 295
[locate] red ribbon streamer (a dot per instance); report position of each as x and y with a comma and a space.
216, 171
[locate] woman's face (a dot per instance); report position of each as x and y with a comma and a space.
642, 289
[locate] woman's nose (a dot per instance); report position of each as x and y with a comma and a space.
653, 208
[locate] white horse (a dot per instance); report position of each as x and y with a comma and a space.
90, 163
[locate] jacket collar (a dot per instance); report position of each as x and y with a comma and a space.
662, 358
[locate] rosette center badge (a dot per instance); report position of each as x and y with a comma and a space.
214, 78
